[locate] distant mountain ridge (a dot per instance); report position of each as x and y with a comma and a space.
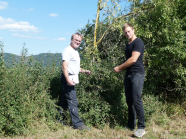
45, 58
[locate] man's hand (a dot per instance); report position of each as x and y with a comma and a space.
88, 72
70, 82
116, 69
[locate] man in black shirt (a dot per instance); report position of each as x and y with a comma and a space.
134, 80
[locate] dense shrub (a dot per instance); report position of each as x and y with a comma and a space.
101, 95
163, 30
24, 96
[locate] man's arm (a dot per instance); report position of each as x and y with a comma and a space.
88, 72
65, 72
129, 62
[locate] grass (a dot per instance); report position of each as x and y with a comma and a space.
174, 129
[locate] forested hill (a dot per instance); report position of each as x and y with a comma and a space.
44, 58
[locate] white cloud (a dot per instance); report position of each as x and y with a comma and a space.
22, 36
3, 5
59, 39
1, 38
29, 37
31, 9
52, 14
69, 33
12, 25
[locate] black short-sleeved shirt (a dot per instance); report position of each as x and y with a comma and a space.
136, 45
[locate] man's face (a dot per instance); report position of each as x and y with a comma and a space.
129, 32
76, 41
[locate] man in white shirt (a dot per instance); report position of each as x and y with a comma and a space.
69, 78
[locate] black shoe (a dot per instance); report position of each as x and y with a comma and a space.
83, 127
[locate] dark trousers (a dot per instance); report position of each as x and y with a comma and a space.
133, 89
69, 101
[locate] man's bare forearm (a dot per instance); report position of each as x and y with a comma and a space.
88, 72
126, 64
65, 72
82, 70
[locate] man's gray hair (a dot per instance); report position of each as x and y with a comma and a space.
77, 33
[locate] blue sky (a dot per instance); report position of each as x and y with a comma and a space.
43, 25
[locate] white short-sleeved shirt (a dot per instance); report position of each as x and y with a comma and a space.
71, 55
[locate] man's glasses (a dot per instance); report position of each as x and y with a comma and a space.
77, 40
